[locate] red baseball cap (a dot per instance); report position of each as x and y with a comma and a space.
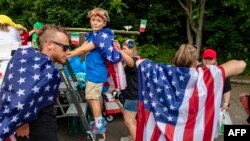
209, 53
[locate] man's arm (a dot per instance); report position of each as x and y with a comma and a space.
234, 67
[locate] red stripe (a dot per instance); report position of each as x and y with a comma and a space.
156, 134
192, 114
209, 105
142, 118
169, 132
112, 73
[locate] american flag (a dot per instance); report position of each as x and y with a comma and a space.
30, 83
178, 104
104, 43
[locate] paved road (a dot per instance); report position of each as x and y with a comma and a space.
116, 129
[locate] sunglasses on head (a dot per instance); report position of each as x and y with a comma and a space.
130, 43
65, 47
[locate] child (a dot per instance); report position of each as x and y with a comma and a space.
37, 26
24, 34
98, 48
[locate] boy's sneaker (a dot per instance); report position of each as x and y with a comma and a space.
101, 129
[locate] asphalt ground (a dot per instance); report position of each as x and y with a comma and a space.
116, 129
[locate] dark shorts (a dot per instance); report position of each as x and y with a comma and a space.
130, 105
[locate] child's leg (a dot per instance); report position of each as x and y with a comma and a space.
93, 94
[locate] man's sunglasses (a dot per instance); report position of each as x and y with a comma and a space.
65, 47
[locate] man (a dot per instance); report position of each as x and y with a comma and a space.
209, 57
30, 87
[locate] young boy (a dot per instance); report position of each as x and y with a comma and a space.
98, 49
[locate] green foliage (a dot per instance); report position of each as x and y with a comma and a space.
226, 23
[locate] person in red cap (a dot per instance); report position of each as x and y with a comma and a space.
209, 57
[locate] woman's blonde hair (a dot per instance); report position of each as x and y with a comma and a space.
100, 11
131, 45
186, 56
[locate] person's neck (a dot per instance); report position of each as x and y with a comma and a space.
49, 55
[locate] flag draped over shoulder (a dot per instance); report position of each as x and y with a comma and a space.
104, 42
30, 83
178, 104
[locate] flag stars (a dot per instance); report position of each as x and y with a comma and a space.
110, 48
181, 78
155, 80
10, 87
6, 130
165, 109
27, 115
37, 58
24, 52
36, 77
145, 101
158, 90
101, 45
20, 92
21, 80
160, 69
149, 65
49, 76
23, 60
35, 110
142, 69
35, 89
148, 75
10, 76
31, 103
161, 100
170, 72
157, 114
104, 35
163, 77
169, 97
40, 98
172, 107
151, 94
177, 93
19, 106
153, 104
14, 119
11, 65
47, 88
9, 99
50, 98
55, 87
35, 66
6, 110
170, 118
21, 70
47, 66
173, 83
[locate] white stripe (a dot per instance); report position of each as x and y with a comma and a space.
200, 118
218, 92
162, 127
184, 108
149, 128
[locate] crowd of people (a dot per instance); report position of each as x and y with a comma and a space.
50, 45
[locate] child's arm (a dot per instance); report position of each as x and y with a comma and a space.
85, 47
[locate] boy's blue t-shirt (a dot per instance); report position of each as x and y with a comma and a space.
96, 70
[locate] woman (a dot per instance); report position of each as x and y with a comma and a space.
129, 55
182, 100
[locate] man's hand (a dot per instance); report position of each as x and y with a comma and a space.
23, 130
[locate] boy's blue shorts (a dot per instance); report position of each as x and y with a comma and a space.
130, 105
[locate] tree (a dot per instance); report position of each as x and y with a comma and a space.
195, 11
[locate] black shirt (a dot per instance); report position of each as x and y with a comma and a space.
227, 85
44, 127
131, 91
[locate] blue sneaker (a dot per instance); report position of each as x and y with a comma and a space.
101, 129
